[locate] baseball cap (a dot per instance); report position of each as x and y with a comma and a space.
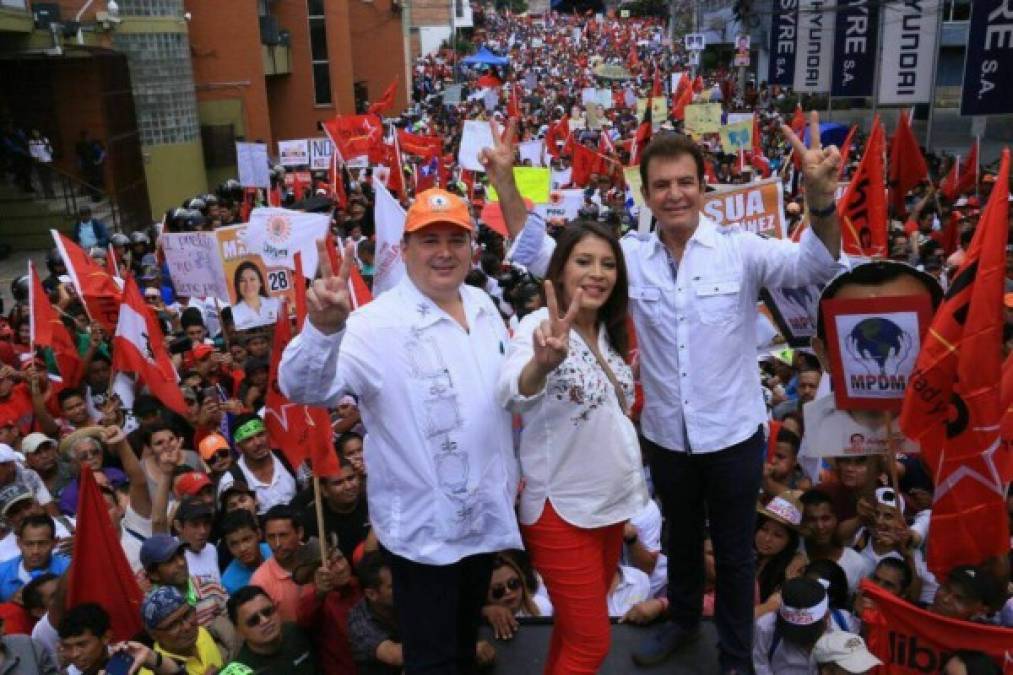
845, 650
887, 496
150, 292
193, 509
7, 454
437, 206
192, 482
159, 604
11, 494
34, 441
211, 444
200, 351
225, 488
158, 548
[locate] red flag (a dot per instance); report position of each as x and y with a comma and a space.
111, 268
513, 101
910, 640
489, 81
99, 571
418, 144
605, 144
907, 165
633, 58
584, 160
643, 135
139, 347
708, 172
797, 125
385, 102
685, 98
560, 131
320, 441
96, 288
952, 402
863, 208
698, 84
49, 331
846, 150
300, 291
354, 135
284, 420
656, 87
962, 177
758, 159
338, 182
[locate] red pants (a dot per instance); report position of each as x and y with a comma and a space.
577, 566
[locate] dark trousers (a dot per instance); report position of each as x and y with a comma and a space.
717, 490
439, 609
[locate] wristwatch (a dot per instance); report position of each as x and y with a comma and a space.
630, 541
824, 212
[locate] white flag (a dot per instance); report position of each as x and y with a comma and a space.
388, 267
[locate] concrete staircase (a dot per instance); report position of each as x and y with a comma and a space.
26, 218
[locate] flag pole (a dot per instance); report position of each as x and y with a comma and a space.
932, 80
891, 452
319, 509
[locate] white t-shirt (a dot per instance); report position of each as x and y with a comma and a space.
204, 565
133, 531
634, 586
648, 524
856, 567
9, 544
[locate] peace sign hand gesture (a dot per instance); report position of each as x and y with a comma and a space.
819, 165
328, 299
552, 338
499, 159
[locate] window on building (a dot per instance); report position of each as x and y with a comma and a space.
318, 53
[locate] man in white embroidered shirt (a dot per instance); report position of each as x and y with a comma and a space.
693, 292
423, 359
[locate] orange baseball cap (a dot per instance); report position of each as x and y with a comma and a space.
1008, 300
211, 444
436, 206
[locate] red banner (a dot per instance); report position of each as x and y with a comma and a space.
912, 641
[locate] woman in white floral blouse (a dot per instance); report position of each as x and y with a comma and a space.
566, 375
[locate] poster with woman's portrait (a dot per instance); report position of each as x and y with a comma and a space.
255, 290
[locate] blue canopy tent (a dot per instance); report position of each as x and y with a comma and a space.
483, 57
831, 133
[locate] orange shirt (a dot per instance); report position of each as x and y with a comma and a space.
278, 584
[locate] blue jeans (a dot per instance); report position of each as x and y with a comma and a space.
716, 490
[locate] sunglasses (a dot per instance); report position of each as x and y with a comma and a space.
499, 590
256, 618
221, 454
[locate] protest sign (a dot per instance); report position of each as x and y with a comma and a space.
452, 95
794, 312
755, 207
477, 135
532, 150
254, 170
321, 154
659, 110
532, 182
833, 432
562, 205
735, 137
249, 282
561, 178
276, 234
873, 344
294, 153
632, 176
194, 264
735, 118
703, 118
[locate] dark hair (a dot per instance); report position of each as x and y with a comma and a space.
243, 266
815, 497
147, 434
797, 416
69, 392
38, 520
31, 596
791, 438
899, 566
801, 592
191, 316
345, 438
833, 573
368, 569
282, 512
237, 520
976, 663
771, 576
613, 312
88, 617
241, 597
875, 273
670, 146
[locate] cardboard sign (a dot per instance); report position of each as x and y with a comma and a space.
873, 344
755, 207
194, 264
321, 154
703, 118
735, 137
270, 283
532, 183
794, 310
659, 110
695, 42
562, 205
477, 135
832, 432
294, 153
254, 170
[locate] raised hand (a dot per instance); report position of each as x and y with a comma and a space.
499, 159
552, 337
328, 299
819, 165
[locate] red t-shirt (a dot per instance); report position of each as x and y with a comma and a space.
19, 407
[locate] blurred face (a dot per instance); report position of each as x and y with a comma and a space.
888, 519
771, 538
98, 375
36, 544
438, 258
353, 453
173, 572
46, 592
342, 491
85, 652
238, 353
244, 545
241, 500
177, 633
808, 382
820, 523
853, 471
673, 192
75, 411
249, 284
952, 600
6, 385
258, 621
221, 461
195, 533
9, 434
256, 447
506, 588
383, 595
283, 538
163, 441
592, 268
955, 667
87, 452
783, 461
196, 334
888, 578
258, 346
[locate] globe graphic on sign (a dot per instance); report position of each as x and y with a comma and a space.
876, 338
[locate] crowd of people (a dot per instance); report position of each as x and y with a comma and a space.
575, 421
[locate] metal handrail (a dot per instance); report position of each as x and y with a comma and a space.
71, 185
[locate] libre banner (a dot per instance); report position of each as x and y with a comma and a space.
989, 61
783, 32
911, 641
755, 207
910, 30
855, 52
815, 46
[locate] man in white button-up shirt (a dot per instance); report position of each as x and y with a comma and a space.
423, 360
693, 293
